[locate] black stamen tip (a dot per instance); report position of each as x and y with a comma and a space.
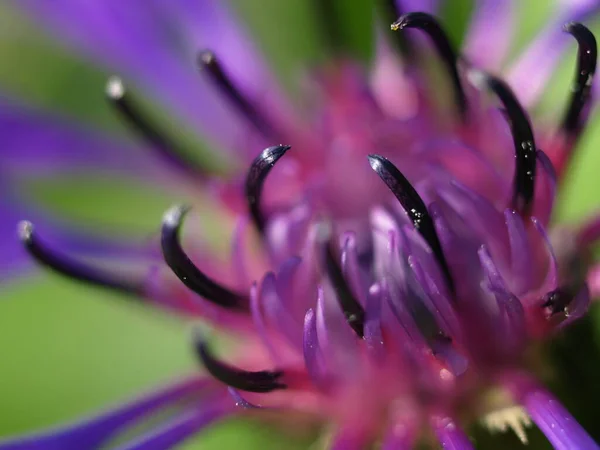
524, 143
352, 309
587, 55
391, 12
428, 24
185, 269
131, 112
210, 65
557, 301
255, 179
262, 381
72, 268
414, 207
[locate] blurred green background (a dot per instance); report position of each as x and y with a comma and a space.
69, 349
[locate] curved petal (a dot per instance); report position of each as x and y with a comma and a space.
561, 429
95, 432
450, 436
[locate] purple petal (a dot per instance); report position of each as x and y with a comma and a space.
143, 41
428, 6
176, 431
240, 401
520, 253
372, 330
95, 432
561, 429
313, 358
35, 144
531, 72
578, 307
449, 435
259, 324
402, 436
489, 37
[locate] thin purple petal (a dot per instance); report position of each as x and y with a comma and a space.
93, 433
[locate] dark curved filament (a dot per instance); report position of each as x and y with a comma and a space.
587, 56
255, 179
414, 207
261, 381
524, 143
128, 108
185, 269
428, 24
352, 309
210, 65
391, 12
72, 268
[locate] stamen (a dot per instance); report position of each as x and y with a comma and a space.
185, 269
430, 25
586, 66
257, 174
353, 310
132, 114
414, 207
77, 270
525, 149
557, 300
391, 11
261, 381
209, 64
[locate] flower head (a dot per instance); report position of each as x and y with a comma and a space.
404, 267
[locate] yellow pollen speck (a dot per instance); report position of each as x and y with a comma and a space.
513, 417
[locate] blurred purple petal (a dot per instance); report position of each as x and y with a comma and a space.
530, 73
561, 429
449, 435
428, 6
142, 43
489, 37
92, 433
36, 144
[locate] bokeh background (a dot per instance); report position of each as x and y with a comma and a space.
68, 349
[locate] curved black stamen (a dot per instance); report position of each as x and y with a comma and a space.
185, 269
209, 64
131, 112
257, 174
414, 207
353, 310
525, 149
558, 300
587, 55
262, 381
391, 12
74, 269
430, 25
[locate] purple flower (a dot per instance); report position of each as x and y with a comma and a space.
404, 266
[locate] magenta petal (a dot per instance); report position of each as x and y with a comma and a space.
561, 429
95, 432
